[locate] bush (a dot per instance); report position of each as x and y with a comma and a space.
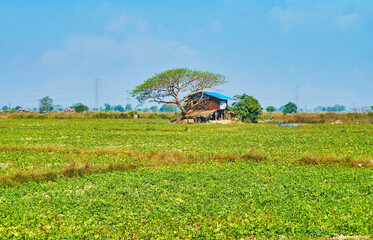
248, 107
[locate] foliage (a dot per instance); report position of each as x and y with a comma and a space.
4, 108
17, 107
46, 104
79, 107
57, 108
248, 107
129, 107
175, 86
204, 201
168, 108
108, 107
118, 108
335, 108
270, 109
154, 108
145, 178
106, 115
290, 107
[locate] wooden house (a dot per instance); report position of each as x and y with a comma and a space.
214, 107
70, 110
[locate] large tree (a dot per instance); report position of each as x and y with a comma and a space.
46, 104
247, 107
290, 107
108, 107
175, 86
118, 108
79, 107
270, 109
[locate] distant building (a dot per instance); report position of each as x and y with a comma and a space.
22, 110
213, 107
69, 110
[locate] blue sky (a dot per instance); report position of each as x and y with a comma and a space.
264, 48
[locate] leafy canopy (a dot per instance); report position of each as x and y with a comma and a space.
79, 107
46, 104
270, 109
248, 107
290, 107
175, 86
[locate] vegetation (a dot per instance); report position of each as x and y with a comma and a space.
107, 107
208, 201
175, 86
151, 179
154, 108
168, 108
129, 107
247, 108
46, 104
335, 108
290, 107
270, 109
118, 108
79, 107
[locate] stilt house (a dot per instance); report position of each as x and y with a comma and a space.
214, 107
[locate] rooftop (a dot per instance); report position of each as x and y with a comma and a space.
213, 94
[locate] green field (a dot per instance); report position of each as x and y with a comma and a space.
141, 179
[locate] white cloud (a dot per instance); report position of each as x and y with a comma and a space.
288, 19
347, 21
214, 26
122, 23
134, 45
321, 15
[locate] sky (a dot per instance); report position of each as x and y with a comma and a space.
320, 50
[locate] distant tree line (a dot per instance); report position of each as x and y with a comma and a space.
335, 108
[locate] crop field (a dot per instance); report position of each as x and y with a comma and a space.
141, 179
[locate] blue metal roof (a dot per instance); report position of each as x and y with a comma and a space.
213, 94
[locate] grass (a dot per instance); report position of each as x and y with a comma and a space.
141, 179
208, 200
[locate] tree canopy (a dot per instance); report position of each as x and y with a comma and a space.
270, 109
175, 86
168, 108
247, 107
129, 107
154, 108
46, 104
108, 107
79, 107
118, 108
290, 107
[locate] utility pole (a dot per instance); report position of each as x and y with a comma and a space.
96, 93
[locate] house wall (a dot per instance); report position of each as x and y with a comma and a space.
210, 104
